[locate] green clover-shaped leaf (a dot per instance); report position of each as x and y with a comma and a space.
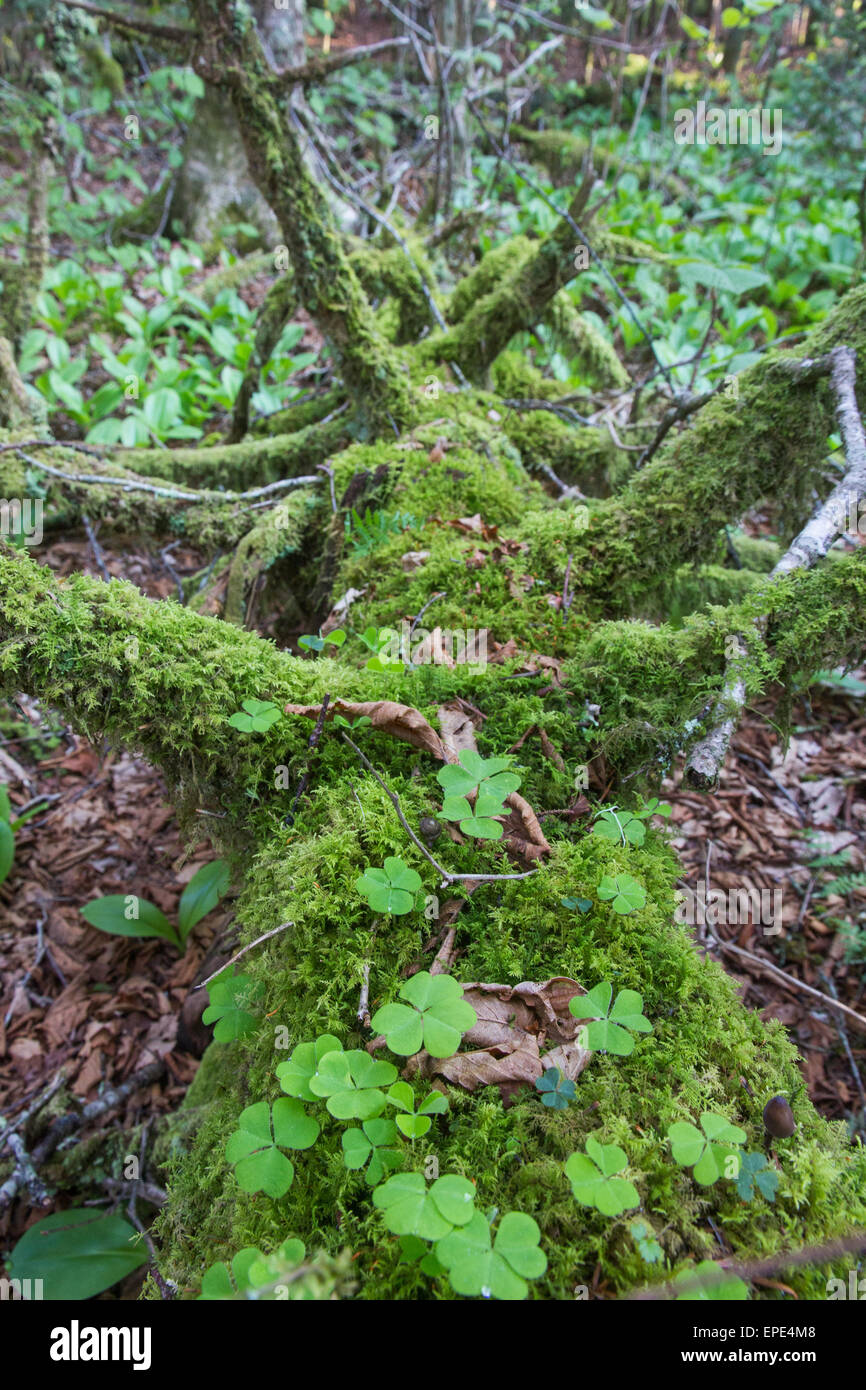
295, 1073
644, 1239
352, 1083
369, 1146
577, 904
415, 1124
621, 827
250, 1270
390, 889
493, 783
608, 1033
756, 1171
594, 1182
220, 1282
718, 1286
254, 1148
556, 1091
624, 893
411, 1208
705, 1153
230, 996
654, 807
497, 1269
258, 717
437, 1019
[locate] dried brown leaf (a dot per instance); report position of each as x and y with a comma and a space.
401, 721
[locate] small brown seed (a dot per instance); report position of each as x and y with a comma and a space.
779, 1118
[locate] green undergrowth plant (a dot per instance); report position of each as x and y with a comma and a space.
365, 533
488, 781
8, 827
129, 915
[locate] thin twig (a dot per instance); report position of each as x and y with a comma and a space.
363, 1014
137, 485
447, 877
313, 740
443, 593
242, 952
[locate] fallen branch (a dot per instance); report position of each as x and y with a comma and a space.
755, 1269
27, 1166
317, 68
138, 485
813, 543
170, 32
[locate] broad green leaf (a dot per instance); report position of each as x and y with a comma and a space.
202, 894
109, 914
7, 850
77, 1253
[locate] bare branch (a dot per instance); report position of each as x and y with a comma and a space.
317, 68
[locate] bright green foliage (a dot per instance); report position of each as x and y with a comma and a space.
77, 1253
493, 784
370, 1146
621, 827
555, 1090
229, 996
623, 892
129, 915
628, 827
366, 533
201, 895
436, 1016
351, 1081
725, 1288
415, 1123
133, 916
7, 832
594, 1181
607, 1033
642, 1234
756, 1171
582, 905
311, 643
708, 1153
493, 1270
296, 1073
390, 889
412, 1209
256, 717
254, 1148
250, 1270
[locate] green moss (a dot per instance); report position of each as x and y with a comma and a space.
703, 1042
